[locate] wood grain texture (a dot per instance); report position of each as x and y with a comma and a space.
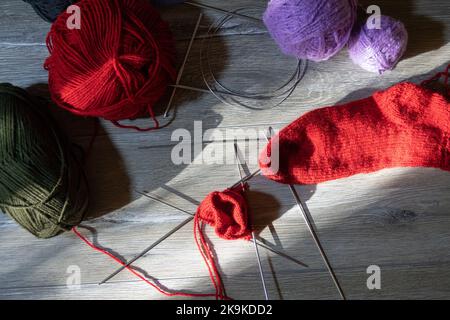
398, 219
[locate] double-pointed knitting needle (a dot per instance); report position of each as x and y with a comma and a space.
230, 13
313, 233
180, 72
258, 258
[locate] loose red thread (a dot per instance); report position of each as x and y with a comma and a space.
445, 74
406, 125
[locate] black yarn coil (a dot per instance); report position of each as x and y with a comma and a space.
43, 186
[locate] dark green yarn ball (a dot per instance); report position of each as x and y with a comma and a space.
42, 184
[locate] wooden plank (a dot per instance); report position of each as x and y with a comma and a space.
345, 212
326, 83
406, 283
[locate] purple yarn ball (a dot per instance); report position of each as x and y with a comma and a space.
378, 50
310, 29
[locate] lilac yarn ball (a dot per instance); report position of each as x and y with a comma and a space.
378, 50
310, 29
166, 2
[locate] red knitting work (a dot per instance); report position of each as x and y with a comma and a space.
404, 126
227, 212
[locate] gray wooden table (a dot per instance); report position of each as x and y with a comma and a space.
397, 219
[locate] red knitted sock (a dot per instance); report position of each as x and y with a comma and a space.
403, 126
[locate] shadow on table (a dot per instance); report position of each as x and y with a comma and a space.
424, 33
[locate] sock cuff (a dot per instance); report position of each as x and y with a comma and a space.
411, 105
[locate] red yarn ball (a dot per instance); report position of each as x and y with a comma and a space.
117, 65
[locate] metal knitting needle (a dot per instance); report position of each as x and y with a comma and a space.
261, 244
157, 242
231, 13
316, 240
167, 235
180, 86
313, 233
261, 273
180, 72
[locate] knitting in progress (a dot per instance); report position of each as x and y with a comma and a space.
348, 198
406, 125
49, 10
227, 212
